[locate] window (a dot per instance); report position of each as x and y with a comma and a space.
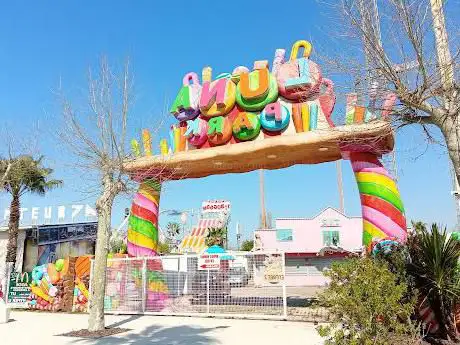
283, 235
331, 238
329, 222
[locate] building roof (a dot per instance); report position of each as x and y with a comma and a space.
320, 213
22, 227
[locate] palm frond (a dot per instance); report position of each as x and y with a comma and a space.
27, 175
434, 265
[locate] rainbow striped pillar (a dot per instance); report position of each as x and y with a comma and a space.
143, 241
143, 220
382, 208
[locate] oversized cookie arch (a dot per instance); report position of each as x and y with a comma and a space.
267, 119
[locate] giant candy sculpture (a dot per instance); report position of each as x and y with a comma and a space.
143, 220
61, 286
143, 241
382, 208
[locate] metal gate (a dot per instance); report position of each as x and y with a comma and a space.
245, 285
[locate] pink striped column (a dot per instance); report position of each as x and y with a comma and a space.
382, 208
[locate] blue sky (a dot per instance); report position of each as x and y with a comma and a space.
45, 42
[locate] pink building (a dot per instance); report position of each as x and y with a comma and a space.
311, 244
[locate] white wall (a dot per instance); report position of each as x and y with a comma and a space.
3, 243
307, 233
19, 254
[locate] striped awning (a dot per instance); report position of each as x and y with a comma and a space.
194, 242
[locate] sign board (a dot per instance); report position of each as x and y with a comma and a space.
53, 214
216, 209
19, 289
273, 272
47, 234
216, 206
209, 262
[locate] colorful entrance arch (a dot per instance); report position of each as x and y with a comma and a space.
266, 119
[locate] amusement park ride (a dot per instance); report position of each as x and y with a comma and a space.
267, 118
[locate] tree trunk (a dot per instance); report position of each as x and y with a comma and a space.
451, 132
445, 66
104, 204
13, 228
443, 313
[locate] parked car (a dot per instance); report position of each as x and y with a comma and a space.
238, 276
219, 286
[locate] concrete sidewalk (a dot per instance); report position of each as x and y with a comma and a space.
43, 328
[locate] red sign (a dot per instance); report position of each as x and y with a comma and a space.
215, 205
209, 262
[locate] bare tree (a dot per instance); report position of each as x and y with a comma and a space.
96, 136
409, 57
404, 49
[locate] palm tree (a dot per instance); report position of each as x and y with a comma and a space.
216, 236
173, 230
418, 226
26, 175
164, 248
247, 245
117, 243
434, 266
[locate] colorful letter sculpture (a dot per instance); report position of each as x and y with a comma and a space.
217, 97
143, 220
197, 132
219, 130
275, 117
185, 106
207, 112
299, 79
382, 208
256, 89
246, 126
356, 114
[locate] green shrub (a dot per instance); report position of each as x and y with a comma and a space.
434, 267
247, 245
398, 259
367, 304
163, 248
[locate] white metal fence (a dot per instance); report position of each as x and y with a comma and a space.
245, 285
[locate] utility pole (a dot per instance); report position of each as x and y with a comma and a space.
263, 213
338, 165
238, 236
369, 13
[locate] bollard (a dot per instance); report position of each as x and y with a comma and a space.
4, 312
